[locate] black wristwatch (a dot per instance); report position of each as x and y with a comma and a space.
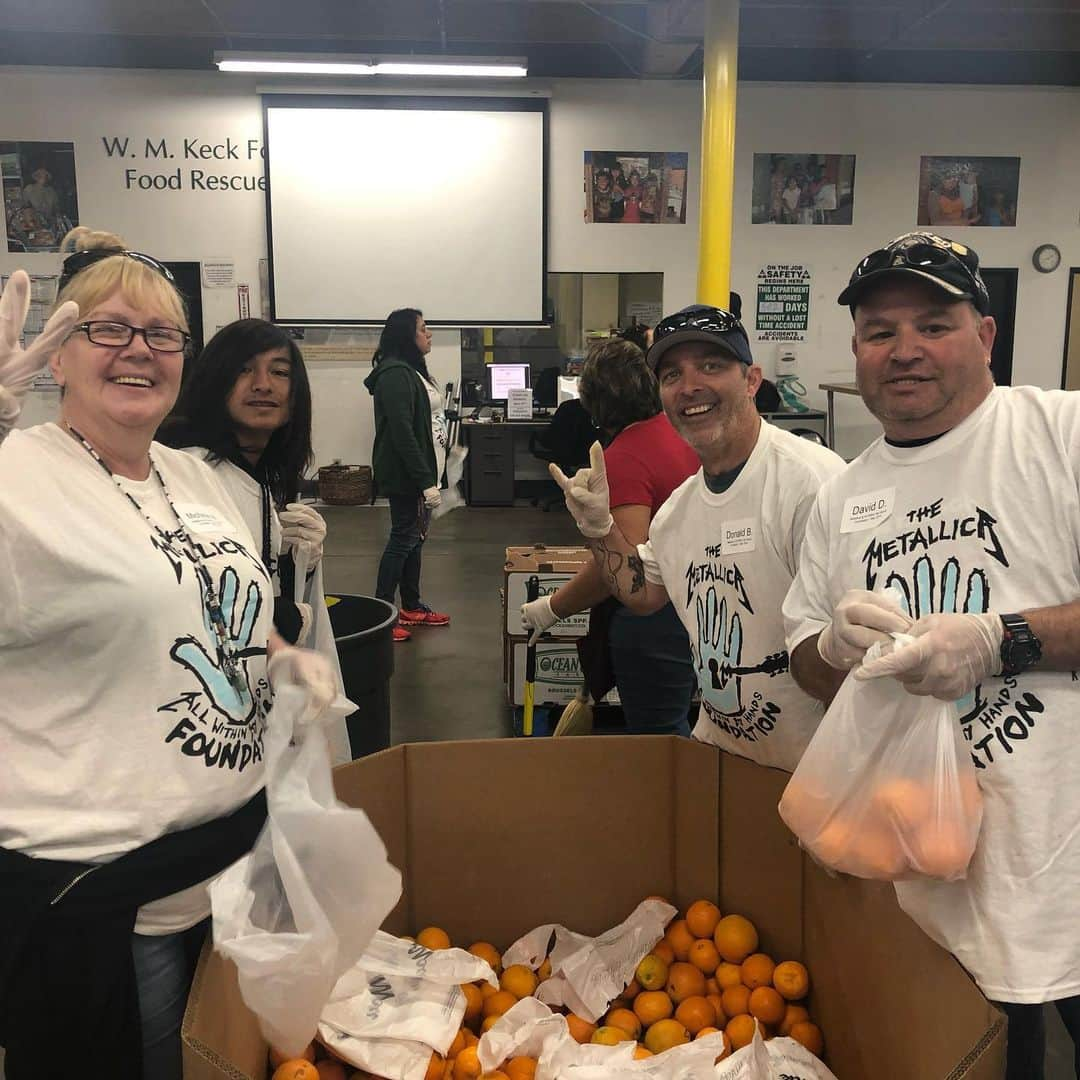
1020, 648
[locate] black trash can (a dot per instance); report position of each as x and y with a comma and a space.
362, 628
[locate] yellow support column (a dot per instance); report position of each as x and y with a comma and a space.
718, 151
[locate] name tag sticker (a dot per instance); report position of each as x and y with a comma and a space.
198, 518
737, 537
867, 510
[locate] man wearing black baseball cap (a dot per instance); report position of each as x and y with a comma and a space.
969, 508
724, 546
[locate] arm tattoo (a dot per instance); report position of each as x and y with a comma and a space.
613, 563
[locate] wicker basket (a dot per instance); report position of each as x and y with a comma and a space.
345, 485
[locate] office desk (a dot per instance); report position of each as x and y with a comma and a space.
830, 389
491, 469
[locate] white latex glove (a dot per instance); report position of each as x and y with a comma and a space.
432, 498
306, 619
312, 673
537, 616
302, 524
950, 656
587, 496
18, 366
860, 620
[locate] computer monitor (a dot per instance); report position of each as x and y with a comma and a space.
503, 378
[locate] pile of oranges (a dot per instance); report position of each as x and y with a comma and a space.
704, 977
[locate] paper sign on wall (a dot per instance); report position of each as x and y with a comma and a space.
218, 273
783, 302
519, 403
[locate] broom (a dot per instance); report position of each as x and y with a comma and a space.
577, 717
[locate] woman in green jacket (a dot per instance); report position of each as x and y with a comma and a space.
405, 460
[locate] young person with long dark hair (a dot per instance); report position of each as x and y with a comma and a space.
410, 449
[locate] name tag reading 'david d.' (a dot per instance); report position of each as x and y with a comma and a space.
198, 518
867, 510
738, 537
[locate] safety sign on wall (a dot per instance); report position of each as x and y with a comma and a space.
783, 302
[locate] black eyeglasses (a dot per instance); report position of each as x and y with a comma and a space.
80, 260
707, 320
920, 256
116, 335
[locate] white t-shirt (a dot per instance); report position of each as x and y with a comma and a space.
726, 561
440, 428
116, 723
986, 518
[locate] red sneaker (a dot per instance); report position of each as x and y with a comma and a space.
399, 633
422, 616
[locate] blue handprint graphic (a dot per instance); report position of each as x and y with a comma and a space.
920, 598
237, 706
719, 647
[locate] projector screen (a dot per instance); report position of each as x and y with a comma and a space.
380, 202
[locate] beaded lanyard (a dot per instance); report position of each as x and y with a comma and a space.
226, 655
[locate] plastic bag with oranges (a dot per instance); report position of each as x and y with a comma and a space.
886, 788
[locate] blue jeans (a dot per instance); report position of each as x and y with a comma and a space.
1026, 1049
650, 656
164, 967
400, 563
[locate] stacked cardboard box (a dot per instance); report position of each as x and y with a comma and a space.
578, 831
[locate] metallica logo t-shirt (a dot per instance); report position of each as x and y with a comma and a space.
726, 560
986, 518
116, 721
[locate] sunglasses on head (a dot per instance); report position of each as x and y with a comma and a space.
712, 321
919, 256
80, 260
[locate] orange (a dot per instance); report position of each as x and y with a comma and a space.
679, 938
496, 1074
498, 1003
474, 1002
792, 980
717, 1002
695, 1013
810, 1036
652, 1005
941, 850
625, 1019
610, 1036
767, 1005
877, 853
833, 843
488, 1023
486, 990
334, 1070
544, 970
520, 1068
705, 1032
519, 981
652, 972
736, 1000
728, 975
436, 1067
757, 970
712, 986
740, 1031
580, 1030
664, 950
470, 1037
296, 1069
685, 980
433, 937
703, 955
448, 1071
735, 938
665, 1034
902, 803
640, 1053
631, 990
278, 1058
486, 951
793, 1014
701, 918
457, 1045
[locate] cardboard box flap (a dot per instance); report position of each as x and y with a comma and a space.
695, 782
936, 1015
761, 864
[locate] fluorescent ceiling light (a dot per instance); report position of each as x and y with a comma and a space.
483, 67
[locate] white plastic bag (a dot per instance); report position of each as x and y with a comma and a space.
452, 497
886, 788
299, 910
396, 1007
389, 955
777, 1059
395, 1059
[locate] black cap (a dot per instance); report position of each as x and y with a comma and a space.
951, 266
700, 322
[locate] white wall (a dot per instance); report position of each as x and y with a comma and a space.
886, 127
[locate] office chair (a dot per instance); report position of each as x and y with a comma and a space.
565, 441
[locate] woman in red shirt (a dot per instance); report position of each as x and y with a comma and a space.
646, 461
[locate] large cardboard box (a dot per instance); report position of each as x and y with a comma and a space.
579, 831
554, 566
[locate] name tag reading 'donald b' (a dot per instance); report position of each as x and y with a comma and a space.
867, 510
205, 520
738, 537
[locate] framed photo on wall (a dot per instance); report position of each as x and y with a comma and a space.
803, 189
635, 187
965, 190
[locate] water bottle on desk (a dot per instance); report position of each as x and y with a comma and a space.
788, 384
